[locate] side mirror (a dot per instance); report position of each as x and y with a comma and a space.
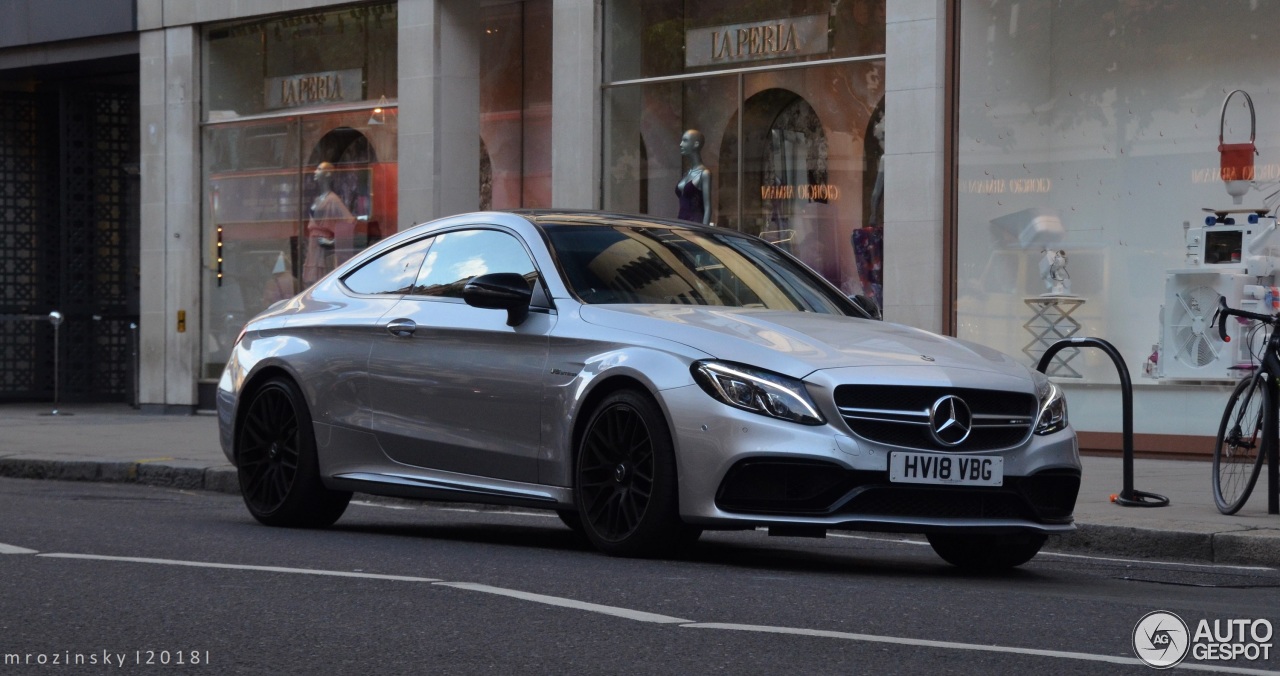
500, 291
866, 306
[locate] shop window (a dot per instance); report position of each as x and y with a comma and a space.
299, 150
1087, 147
515, 105
786, 148
324, 57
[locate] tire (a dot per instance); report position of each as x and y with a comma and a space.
1240, 445
573, 520
625, 480
987, 552
276, 461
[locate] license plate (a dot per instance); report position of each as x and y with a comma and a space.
951, 470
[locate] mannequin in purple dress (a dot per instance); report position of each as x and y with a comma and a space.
694, 189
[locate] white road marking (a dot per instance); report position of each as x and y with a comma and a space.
234, 566
900, 541
366, 503
626, 613
14, 549
1145, 562
642, 616
1155, 563
551, 515
952, 645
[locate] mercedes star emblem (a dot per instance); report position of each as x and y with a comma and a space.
950, 420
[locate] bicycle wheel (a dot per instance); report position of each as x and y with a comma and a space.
1239, 449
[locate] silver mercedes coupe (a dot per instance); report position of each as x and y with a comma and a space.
647, 380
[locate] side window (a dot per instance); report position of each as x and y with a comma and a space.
459, 256
393, 272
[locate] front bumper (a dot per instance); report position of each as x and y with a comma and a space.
738, 469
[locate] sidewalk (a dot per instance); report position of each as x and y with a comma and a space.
112, 442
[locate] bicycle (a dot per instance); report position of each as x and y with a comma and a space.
1243, 440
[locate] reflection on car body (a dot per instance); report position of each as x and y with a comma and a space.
646, 379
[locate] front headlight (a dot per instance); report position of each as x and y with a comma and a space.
758, 391
1053, 409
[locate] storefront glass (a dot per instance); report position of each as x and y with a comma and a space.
1088, 150
299, 149
787, 101
515, 105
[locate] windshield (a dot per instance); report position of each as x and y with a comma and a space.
633, 264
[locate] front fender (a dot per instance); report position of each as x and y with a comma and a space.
571, 395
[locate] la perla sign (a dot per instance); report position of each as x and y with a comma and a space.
307, 89
774, 39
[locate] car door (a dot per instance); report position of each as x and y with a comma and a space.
337, 333
453, 387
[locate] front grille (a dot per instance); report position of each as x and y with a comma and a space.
783, 486
946, 503
899, 415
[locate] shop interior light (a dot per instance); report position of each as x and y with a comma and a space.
219, 242
379, 115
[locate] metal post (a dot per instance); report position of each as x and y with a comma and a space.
133, 361
55, 318
1273, 469
1128, 496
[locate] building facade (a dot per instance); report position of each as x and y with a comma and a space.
1006, 172
419, 109
69, 200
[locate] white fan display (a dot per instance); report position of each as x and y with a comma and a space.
1190, 346
1194, 342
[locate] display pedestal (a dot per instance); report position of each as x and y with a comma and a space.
1050, 322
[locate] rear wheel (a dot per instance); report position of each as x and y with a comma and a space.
625, 480
987, 552
1239, 448
276, 461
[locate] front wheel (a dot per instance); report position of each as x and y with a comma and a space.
573, 520
1240, 445
987, 552
625, 480
276, 461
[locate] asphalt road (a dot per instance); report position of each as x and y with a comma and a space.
127, 573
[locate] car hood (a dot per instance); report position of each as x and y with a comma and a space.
799, 343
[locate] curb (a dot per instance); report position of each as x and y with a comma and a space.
1128, 541
1234, 547
220, 479
1245, 548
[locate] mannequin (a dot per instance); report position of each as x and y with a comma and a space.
877, 191
330, 223
1053, 270
694, 189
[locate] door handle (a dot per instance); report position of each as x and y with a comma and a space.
403, 328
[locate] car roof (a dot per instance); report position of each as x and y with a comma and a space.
555, 218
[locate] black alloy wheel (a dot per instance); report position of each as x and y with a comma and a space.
626, 480
277, 464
